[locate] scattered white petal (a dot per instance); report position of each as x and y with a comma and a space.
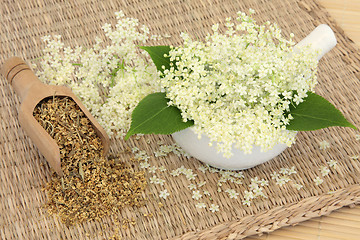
200, 184
206, 193
192, 186
232, 193
214, 208
238, 181
160, 181
246, 202
255, 180
318, 181
324, 145
284, 171
274, 175
282, 180
162, 169
263, 182
292, 171
164, 194
248, 195
202, 168
239, 175
144, 165
196, 195
253, 186
213, 170
298, 186
134, 149
152, 169
332, 164
175, 173
324, 170
153, 179
200, 205
357, 137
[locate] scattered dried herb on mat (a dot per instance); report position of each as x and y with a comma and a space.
93, 186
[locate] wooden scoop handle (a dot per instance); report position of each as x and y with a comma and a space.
20, 76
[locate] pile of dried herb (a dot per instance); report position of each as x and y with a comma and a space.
93, 186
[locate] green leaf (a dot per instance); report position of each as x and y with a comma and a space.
153, 115
314, 113
157, 55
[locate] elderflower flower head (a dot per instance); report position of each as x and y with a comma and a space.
237, 86
110, 77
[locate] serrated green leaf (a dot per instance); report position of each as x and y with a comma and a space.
314, 113
154, 115
157, 54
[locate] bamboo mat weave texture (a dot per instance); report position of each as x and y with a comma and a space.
23, 171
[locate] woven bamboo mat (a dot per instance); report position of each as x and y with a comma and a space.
24, 171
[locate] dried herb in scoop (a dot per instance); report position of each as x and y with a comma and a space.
93, 186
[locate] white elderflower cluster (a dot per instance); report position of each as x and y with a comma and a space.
237, 86
110, 77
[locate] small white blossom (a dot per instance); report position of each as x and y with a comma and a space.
253, 186
222, 180
324, 145
246, 202
214, 208
292, 171
159, 142
232, 193
160, 181
318, 181
192, 186
298, 186
274, 175
191, 176
324, 170
162, 169
206, 193
282, 180
284, 171
213, 170
182, 169
153, 179
255, 180
202, 168
141, 156
196, 195
259, 192
134, 149
200, 184
144, 165
164, 194
238, 181
263, 182
152, 169
200, 205
239, 175
225, 174
357, 137
248, 195
175, 173
332, 164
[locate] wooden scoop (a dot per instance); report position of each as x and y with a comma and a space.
31, 91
